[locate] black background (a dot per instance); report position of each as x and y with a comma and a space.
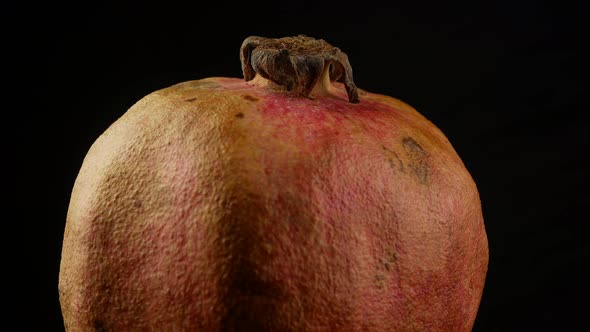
505, 81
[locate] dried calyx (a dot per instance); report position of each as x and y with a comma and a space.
296, 63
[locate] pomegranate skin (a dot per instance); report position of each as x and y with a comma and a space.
218, 205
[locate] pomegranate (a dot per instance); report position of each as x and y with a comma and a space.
288, 201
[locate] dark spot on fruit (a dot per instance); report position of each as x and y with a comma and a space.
380, 280
190, 99
249, 282
388, 260
391, 259
99, 325
137, 204
417, 159
385, 267
240, 115
250, 98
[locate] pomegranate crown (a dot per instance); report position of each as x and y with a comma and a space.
297, 63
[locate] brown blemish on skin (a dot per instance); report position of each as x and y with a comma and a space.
389, 260
414, 160
190, 99
413, 146
250, 98
393, 159
240, 115
380, 280
417, 159
385, 267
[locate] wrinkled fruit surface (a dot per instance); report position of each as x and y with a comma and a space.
217, 205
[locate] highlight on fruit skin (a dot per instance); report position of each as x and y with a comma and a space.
289, 200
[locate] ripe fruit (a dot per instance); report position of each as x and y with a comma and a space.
273, 205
